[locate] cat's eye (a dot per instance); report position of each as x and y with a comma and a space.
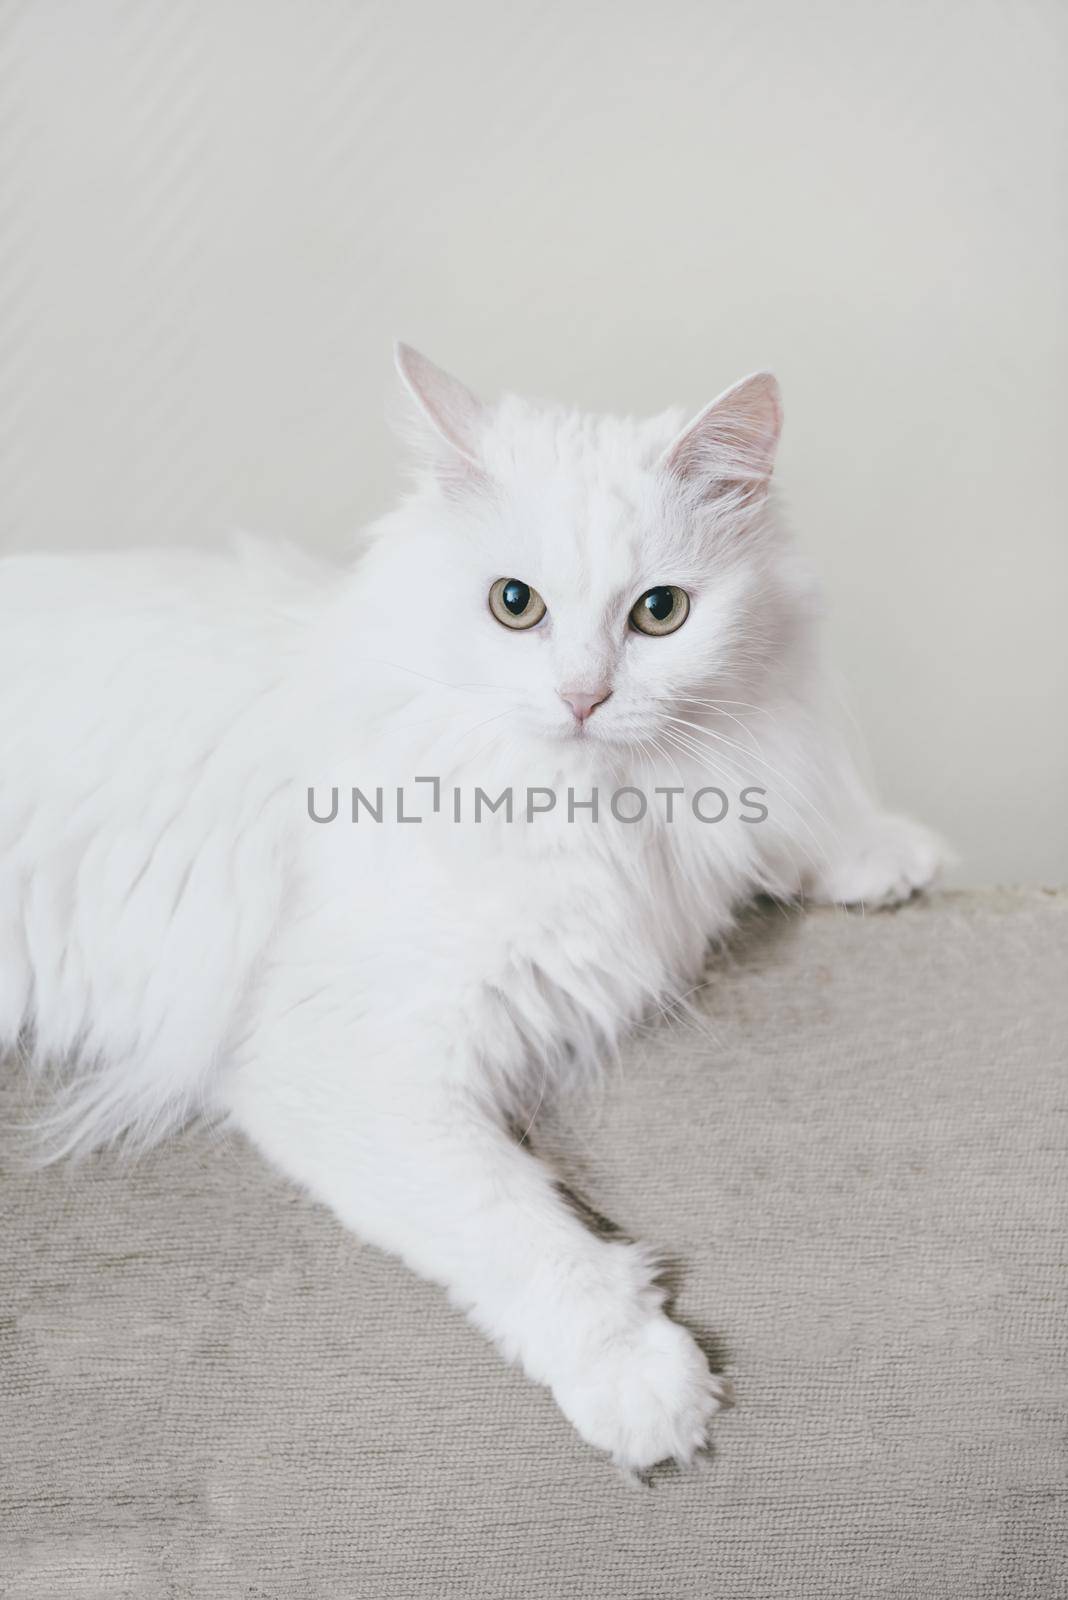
515, 604
660, 610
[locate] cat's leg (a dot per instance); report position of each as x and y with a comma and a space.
418, 1164
856, 854
879, 859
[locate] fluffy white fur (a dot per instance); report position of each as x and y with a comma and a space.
376, 1006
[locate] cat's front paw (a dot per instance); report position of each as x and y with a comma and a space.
881, 864
644, 1395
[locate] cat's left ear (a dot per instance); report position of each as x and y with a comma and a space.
455, 415
732, 442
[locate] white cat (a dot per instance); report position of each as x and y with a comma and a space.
563, 603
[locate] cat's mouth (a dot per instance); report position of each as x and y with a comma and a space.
591, 732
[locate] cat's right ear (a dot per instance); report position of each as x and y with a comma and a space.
455, 416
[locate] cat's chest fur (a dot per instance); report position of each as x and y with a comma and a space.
531, 934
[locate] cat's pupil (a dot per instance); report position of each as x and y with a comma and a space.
516, 596
660, 603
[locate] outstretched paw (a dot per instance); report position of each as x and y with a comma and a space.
882, 864
645, 1395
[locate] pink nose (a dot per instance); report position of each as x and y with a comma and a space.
584, 702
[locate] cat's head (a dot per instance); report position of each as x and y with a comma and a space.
589, 577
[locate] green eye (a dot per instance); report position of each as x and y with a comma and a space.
660, 610
515, 604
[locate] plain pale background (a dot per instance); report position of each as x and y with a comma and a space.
217, 216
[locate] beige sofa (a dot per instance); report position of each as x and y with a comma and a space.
857, 1167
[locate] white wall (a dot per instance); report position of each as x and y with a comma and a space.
218, 214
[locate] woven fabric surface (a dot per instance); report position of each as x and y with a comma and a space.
856, 1166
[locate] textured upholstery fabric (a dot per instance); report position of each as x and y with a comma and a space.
856, 1164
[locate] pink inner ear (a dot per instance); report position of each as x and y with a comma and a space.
734, 439
451, 409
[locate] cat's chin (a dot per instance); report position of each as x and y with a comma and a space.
583, 741
577, 746
580, 736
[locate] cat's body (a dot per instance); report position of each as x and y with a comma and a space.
375, 1002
